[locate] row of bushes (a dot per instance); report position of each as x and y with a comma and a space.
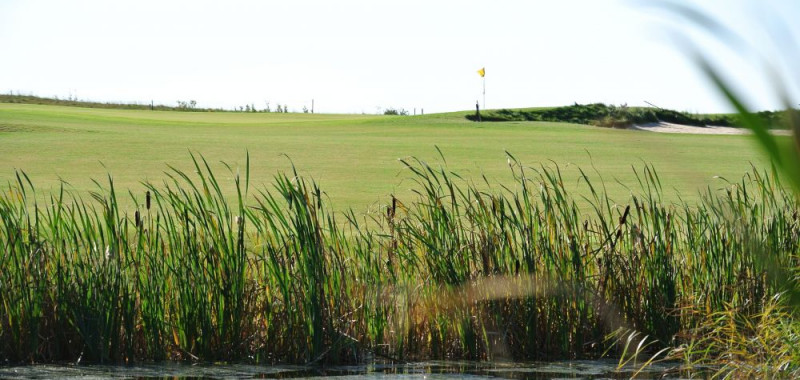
74, 102
612, 116
184, 106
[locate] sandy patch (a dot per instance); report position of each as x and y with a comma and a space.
663, 127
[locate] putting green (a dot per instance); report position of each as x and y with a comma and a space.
354, 158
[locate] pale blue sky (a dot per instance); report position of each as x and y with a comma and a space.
360, 56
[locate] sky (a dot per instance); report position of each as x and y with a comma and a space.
365, 56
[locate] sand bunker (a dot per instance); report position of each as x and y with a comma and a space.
707, 130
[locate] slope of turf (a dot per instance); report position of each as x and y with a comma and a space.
353, 157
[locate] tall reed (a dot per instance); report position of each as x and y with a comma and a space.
460, 270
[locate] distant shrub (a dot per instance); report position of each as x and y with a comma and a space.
395, 111
184, 105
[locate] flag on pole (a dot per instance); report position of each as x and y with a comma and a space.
482, 71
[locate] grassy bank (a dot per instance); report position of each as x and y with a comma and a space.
54, 143
453, 271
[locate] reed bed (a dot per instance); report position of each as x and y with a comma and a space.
461, 271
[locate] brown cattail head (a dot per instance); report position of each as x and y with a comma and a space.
624, 216
137, 219
147, 199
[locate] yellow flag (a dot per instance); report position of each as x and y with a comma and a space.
482, 71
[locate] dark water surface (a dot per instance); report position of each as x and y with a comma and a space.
594, 369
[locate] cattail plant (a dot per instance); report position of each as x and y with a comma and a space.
458, 270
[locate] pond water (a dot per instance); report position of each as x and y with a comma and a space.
595, 369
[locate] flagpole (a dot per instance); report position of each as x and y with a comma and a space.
484, 92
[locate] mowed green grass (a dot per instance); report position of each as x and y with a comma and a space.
354, 158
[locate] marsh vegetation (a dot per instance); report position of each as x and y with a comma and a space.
455, 272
